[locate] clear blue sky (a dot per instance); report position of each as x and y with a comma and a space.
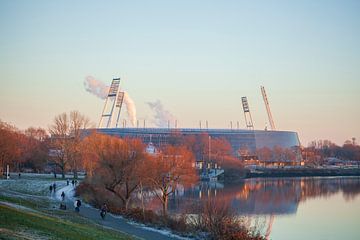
197, 57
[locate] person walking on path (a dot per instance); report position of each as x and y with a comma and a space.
54, 187
77, 205
63, 196
51, 188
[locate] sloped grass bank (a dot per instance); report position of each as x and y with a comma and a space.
20, 224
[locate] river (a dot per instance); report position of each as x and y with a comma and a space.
287, 208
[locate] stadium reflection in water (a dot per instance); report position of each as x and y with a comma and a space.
268, 196
295, 205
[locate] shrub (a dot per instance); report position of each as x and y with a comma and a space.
218, 220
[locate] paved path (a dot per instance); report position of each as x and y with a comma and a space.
115, 222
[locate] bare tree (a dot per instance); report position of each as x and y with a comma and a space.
78, 122
65, 140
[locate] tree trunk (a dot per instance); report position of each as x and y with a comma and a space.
142, 201
127, 201
165, 204
63, 172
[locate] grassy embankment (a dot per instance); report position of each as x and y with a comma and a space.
32, 215
22, 224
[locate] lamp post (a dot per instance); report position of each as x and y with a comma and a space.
209, 148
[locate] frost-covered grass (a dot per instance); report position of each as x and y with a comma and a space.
30, 186
25, 202
29, 211
17, 223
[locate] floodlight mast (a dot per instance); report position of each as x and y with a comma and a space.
112, 105
247, 114
119, 102
271, 120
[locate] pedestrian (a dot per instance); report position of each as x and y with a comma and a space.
19, 175
67, 182
62, 206
73, 182
103, 210
51, 188
54, 187
63, 196
77, 205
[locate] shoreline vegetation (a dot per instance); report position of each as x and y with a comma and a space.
310, 172
231, 177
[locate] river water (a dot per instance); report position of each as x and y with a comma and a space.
287, 208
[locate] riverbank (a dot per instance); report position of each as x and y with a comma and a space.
303, 172
29, 211
18, 222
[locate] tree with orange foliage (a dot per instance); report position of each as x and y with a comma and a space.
117, 164
9, 147
35, 144
221, 150
173, 166
264, 154
91, 151
198, 144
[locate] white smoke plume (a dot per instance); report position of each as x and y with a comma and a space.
130, 108
161, 116
96, 87
99, 89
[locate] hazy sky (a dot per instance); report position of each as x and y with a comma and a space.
197, 57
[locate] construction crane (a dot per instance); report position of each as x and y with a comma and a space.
271, 120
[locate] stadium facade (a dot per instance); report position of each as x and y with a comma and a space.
243, 141
238, 138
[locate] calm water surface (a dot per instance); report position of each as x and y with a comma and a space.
289, 208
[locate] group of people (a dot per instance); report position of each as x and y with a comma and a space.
77, 204
73, 182
52, 188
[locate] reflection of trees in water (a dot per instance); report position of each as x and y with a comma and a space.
261, 199
269, 196
326, 187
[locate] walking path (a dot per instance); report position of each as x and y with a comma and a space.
113, 221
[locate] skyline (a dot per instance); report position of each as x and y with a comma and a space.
198, 59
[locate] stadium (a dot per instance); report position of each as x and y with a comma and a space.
244, 142
238, 138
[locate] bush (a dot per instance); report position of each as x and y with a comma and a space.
218, 220
143, 216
